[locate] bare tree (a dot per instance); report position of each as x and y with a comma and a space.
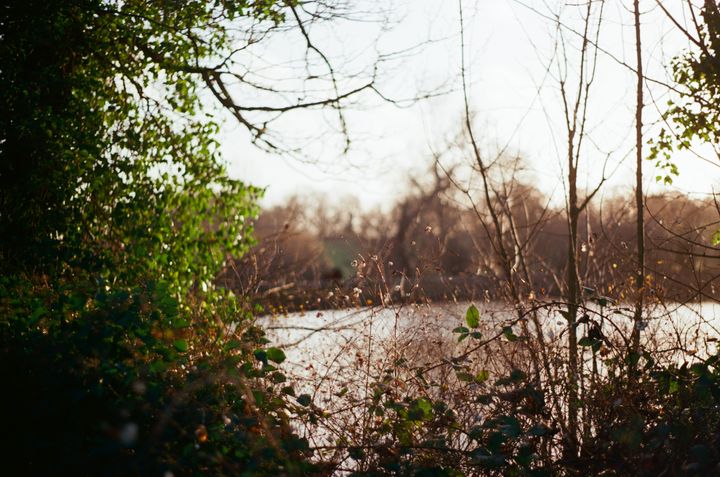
639, 197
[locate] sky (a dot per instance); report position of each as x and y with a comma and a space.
513, 95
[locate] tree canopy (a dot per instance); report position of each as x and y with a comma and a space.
116, 213
694, 114
108, 131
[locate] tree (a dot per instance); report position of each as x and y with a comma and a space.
694, 113
116, 211
109, 159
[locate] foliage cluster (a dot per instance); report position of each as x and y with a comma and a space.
112, 380
115, 214
693, 114
109, 159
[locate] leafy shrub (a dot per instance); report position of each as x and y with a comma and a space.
107, 380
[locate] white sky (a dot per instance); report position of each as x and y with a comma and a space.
508, 47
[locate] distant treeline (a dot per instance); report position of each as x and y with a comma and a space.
432, 246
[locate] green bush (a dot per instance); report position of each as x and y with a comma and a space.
104, 380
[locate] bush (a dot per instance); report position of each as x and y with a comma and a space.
107, 380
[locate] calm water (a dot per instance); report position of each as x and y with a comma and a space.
335, 356
331, 345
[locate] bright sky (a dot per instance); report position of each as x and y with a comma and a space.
516, 102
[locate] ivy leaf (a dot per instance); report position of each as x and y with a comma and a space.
180, 323
231, 345
261, 355
509, 334
181, 345
278, 378
585, 341
275, 354
472, 317
304, 400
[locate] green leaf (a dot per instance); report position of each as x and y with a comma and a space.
633, 358
472, 317
37, 314
356, 453
259, 397
232, 344
261, 355
484, 399
278, 378
304, 400
158, 366
482, 376
509, 334
421, 409
461, 329
715, 240
181, 345
585, 341
180, 323
510, 426
465, 377
275, 354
